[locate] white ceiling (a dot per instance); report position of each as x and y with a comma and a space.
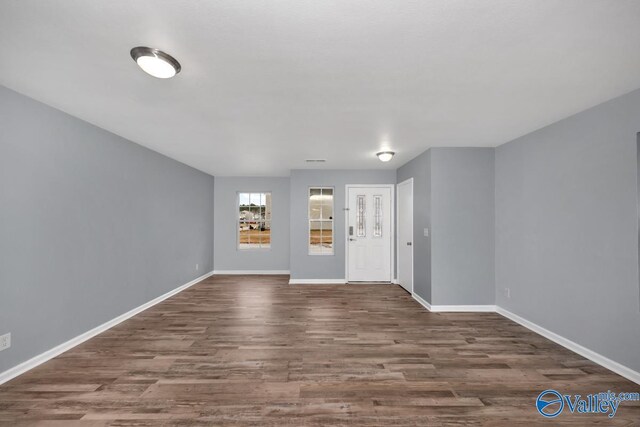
267, 84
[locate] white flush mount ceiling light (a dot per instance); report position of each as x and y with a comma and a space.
155, 62
385, 156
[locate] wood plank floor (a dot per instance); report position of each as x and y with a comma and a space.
257, 351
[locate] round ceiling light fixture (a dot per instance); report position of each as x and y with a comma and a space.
385, 156
155, 62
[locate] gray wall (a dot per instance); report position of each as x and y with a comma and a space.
91, 226
228, 257
303, 265
566, 228
453, 196
420, 170
462, 219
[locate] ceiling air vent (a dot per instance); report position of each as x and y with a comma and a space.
315, 160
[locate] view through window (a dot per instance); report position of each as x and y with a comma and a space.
254, 220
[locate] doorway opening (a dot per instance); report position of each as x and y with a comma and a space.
405, 235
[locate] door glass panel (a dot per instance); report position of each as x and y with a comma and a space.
377, 212
360, 213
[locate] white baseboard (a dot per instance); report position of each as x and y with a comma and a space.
249, 272
577, 348
454, 308
422, 302
601, 360
463, 308
317, 282
59, 349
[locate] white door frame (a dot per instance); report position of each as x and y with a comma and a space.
413, 248
392, 188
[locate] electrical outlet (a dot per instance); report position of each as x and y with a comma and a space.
426, 232
5, 341
197, 266
507, 292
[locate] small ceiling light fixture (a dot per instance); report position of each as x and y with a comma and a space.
385, 156
155, 62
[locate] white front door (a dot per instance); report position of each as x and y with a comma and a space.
369, 234
405, 235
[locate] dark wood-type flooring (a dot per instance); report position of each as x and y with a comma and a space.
257, 351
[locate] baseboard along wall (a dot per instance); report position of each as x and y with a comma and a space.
23, 367
595, 357
249, 272
317, 282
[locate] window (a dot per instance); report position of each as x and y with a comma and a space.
254, 220
320, 221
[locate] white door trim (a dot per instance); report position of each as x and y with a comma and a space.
391, 188
413, 246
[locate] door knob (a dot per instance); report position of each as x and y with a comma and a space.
351, 239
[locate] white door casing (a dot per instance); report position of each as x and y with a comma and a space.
369, 233
405, 235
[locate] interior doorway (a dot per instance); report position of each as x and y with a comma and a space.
405, 235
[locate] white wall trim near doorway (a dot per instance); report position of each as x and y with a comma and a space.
68, 345
463, 308
422, 302
392, 189
249, 272
454, 308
